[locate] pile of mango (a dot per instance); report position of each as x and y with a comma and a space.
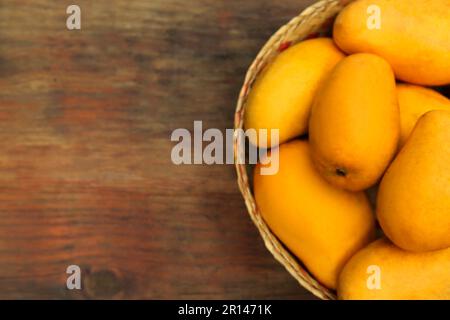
359, 112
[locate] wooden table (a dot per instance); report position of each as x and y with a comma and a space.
85, 171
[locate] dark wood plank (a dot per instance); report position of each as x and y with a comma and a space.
85, 170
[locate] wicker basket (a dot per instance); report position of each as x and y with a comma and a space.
316, 20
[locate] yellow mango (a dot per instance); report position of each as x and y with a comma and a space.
354, 125
320, 224
415, 101
382, 271
413, 36
282, 95
413, 204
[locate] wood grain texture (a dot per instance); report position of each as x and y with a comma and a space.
85, 170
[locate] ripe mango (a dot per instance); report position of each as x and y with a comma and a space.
322, 225
402, 275
413, 204
415, 101
413, 36
282, 95
354, 125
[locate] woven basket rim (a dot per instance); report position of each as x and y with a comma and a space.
313, 17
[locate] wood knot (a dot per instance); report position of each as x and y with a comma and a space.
103, 284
